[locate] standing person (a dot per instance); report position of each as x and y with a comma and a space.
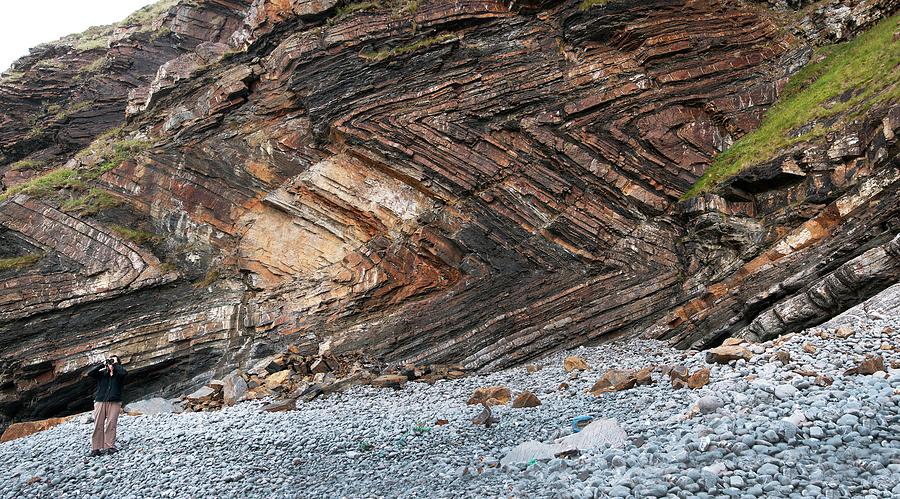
107, 403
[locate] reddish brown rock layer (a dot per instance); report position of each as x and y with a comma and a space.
477, 182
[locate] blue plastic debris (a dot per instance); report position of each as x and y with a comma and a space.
579, 422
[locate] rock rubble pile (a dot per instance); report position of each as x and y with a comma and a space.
814, 414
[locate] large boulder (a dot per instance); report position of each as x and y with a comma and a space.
614, 380
870, 365
526, 399
395, 381
200, 394
573, 363
490, 395
727, 353
277, 379
234, 388
149, 407
598, 433
681, 378
528, 450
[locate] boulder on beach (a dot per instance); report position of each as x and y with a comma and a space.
490, 395
151, 406
574, 363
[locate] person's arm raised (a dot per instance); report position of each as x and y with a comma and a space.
96, 371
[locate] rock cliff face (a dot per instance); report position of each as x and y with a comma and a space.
472, 181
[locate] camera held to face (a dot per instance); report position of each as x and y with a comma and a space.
112, 360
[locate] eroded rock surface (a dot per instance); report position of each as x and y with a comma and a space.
473, 182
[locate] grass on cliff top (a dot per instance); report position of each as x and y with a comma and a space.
19, 262
146, 15
97, 37
846, 78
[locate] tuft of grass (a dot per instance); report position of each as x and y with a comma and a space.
51, 183
46, 184
56, 113
27, 164
92, 67
45, 64
212, 275
846, 79
91, 203
112, 134
119, 151
95, 37
346, 10
71, 109
19, 262
405, 49
112, 151
160, 33
136, 236
411, 6
587, 4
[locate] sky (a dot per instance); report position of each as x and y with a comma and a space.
26, 23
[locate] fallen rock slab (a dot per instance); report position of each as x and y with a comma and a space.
727, 353
526, 399
395, 381
574, 363
528, 450
20, 430
485, 417
871, 364
644, 376
698, 379
614, 380
149, 407
844, 332
598, 433
233, 389
490, 395
204, 392
280, 406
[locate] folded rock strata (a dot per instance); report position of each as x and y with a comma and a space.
473, 182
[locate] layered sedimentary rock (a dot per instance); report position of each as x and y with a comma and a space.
473, 181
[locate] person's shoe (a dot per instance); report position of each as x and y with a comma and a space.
112, 450
95, 453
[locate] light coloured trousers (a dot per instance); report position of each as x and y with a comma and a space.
106, 416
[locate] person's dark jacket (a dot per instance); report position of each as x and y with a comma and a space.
109, 387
